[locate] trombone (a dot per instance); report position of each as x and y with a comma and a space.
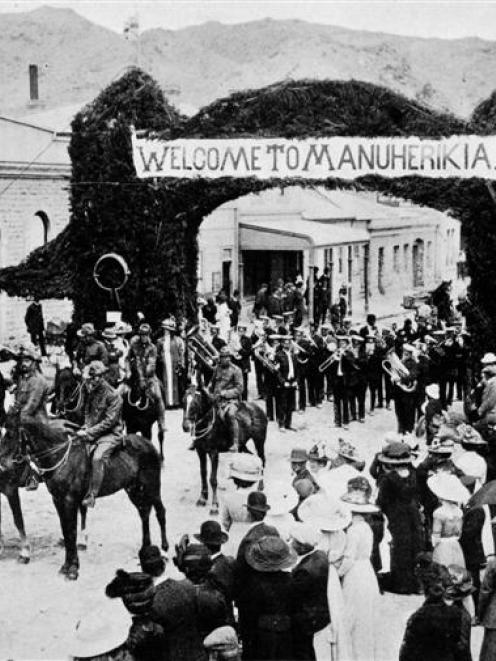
333, 358
204, 352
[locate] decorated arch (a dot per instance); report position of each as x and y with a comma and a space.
154, 224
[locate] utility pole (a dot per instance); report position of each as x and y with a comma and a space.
132, 33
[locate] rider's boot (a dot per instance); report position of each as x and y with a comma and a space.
234, 431
96, 479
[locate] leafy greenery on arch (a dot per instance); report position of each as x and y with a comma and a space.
154, 225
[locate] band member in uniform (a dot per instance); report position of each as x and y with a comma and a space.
329, 346
285, 364
357, 384
226, 388
423, 365
315, 378
462, 353
339, 369
374, 356
270, 377
114, 376
303, 350
244, 352
405, 392
448, 371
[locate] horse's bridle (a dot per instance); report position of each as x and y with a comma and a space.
77, 395
209, 427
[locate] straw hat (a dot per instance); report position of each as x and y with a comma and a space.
471, 464
488, 359
432, 391
122, 328
246, 467
101, 630
448, 487
85, 330
324, 513
347, 450
470, 436
305, 533
270, 554
109, 333
442, 447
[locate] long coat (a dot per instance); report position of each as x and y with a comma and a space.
398, 499
170, 367
265, 609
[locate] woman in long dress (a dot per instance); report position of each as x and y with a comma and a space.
359, 582
447, 519
223, 318
170, 350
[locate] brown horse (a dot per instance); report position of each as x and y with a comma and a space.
210, 436
65, 464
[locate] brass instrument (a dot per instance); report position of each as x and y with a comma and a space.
333, 358
268, 364
204, 352
298, 350
393, 366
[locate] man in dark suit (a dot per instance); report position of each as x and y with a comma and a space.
477, 547
223, 567
311, 612
286, 366
244, 355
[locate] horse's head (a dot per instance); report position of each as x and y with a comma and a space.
66, 388
196, 403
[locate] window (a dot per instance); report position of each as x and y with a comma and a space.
328, 258
380, 270
36, 231
406, 261
340, 262
396, 259
418, 263
350, 263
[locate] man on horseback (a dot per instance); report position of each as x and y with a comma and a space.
102, 406
142, 363
31, 395
89, 348
226, 388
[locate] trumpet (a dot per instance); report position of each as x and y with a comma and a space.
393, 366
206, 353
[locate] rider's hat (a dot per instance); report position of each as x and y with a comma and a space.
95, 368
110, 333
122, 328
85, 330
169, 324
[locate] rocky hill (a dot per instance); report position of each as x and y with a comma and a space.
199, 64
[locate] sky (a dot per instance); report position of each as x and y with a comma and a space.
447, 19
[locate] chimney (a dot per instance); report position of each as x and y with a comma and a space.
34, 99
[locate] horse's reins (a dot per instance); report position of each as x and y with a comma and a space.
36, 456
77, 394
208, 428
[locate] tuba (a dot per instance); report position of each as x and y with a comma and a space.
204, 352
393, 366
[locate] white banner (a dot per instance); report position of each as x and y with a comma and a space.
316, 158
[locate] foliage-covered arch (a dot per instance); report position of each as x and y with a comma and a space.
154, 225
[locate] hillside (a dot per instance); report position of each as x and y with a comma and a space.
78, 58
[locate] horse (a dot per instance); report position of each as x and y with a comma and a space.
64, 462
68, 395
140, 412
9, 486
211, 437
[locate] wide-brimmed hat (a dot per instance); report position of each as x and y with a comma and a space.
169, 324
257, 501
488, 358
432, 391
298, 455
211, 533
123, 328
247, 467
472, 465
347, 450
470, 436
326, 514
448, 487
100, 630
270, 554
109, 333
358, 495
85, 330
318, 452
396, 454
95, 368
443, 446
305, 533
224, 642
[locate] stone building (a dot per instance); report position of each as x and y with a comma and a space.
34, 206
380, 250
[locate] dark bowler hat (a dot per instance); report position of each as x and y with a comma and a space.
152, 561
211, 533
298, 455
257, 501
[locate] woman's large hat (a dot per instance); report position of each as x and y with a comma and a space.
396, 454
460, 583
122, 328
246, 467
270, 554
101, 630
85, 330
448, 487
110, 333
324, 513
358, 496
470, 436
348, 450
318, 452
441, 447
471, 464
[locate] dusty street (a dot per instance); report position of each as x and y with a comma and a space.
38, 608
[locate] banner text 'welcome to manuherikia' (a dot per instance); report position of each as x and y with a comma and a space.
322, 158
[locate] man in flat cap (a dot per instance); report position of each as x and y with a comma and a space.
102, 407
